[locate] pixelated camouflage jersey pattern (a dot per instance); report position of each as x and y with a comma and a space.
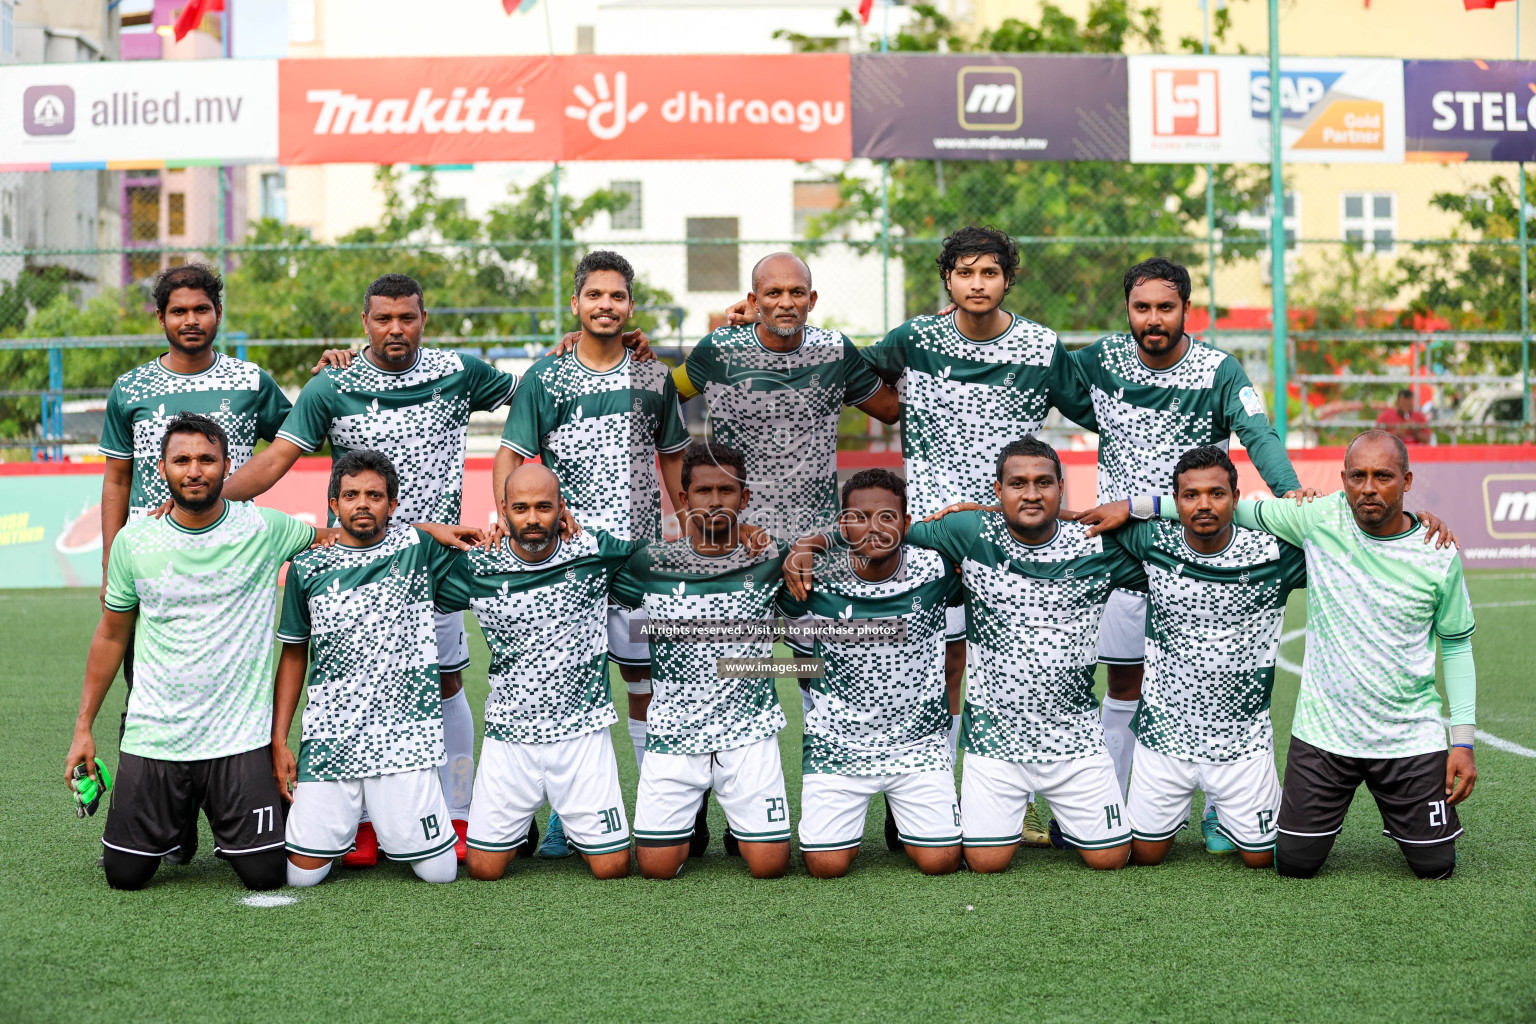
1034, 614
1148, 418
418, 417
375, 707
237, 395
963, 400
693, 709
599, 432
546, 625
882, 708
1213, 634
780, 410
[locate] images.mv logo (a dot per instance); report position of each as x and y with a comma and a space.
1186, 102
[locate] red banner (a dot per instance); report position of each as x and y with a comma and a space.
472, 109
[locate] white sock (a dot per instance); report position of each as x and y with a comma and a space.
303, 878
442, 868
954, 734
806, 703
637, 737
458, 772
1116, 718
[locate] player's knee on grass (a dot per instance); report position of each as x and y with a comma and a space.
1112, 859
660, 861
442, 868
935, 860
606, 866
262, 871
989, 860
766, 860
486, 866
304, 872
1258, 858
128, 871
829, 863
450, 683
1301, 856
1431, 862
1146, 854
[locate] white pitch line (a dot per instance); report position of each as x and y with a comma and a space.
1498, 743
1504, 604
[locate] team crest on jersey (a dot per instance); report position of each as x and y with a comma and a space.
748, 581
815, 380
917, 604
1008, 380
437, 393
570, 575
224, 405
639, 406
394, 569
1173, 406
1242, 578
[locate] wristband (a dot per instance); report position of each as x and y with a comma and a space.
1461, 735
1143, 507
1466, 745
1157, 506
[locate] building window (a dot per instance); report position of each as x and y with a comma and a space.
813, 199
629, 216
715, 266
1258, 220
274, 196
586, 39
1369, 220
7, 28
175, 213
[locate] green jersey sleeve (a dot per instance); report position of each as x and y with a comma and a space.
1136, 537
1293, 565
116, 428
626, 589
1244, 411
122, 595
293, 625
289, 535
489, 388
1069, 389
862, 382
947, 536
1282, 517
310, 420
613, 551
1453, 612
440, 557
272, 407
788, 605
888, 356
452, 589
671, 433
1126, 570
700, 365
530, 418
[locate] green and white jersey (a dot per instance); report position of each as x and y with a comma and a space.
235, 394
1148, 418
693, 709
599, 433
1033, 614
780, 410
202, 646
546, 624
1374, 605
1213, 633
963, 400
375, 707
418, 417
882, 708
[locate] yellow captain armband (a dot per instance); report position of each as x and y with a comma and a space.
685, 388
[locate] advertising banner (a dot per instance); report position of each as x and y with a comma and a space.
981, 106
425, 111
152, 112
1470, 110
1189, 109
706, 108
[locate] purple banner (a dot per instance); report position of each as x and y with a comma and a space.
1490, 505
1471, 109
979, 106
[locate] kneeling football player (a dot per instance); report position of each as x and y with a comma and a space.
543, 605
373, 727
708, 730
880, 720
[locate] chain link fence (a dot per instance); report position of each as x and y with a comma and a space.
1401, 277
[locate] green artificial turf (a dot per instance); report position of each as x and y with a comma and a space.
1198, 939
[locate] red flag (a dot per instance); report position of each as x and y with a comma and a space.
1480, 5
510, 5
865, 6
191, 16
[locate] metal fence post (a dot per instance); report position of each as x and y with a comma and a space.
53, 408
1277, 225
554, 234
